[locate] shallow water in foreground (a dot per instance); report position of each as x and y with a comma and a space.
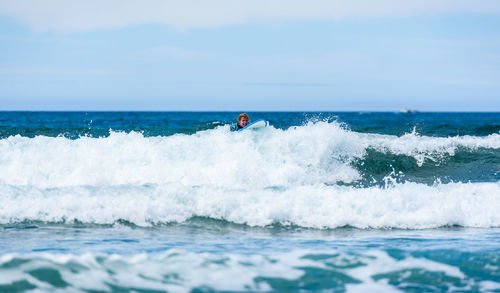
211, 255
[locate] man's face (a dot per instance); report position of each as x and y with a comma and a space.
243, 122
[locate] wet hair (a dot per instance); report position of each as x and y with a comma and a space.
243, 115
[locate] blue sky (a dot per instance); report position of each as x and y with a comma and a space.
250, 55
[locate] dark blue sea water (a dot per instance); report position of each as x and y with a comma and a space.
176, 202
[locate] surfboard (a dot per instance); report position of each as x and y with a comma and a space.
256, 124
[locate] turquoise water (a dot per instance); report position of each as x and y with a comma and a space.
340, 202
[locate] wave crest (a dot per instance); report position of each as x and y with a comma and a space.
315, 153
301, 176
407, 206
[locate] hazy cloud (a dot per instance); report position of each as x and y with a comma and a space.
83, 15
42, 71
175, 52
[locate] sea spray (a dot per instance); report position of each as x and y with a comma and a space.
182, 271
296, 176
408, 205
307, 155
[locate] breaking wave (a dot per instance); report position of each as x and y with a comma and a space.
307, 175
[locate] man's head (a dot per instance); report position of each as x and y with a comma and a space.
243, 120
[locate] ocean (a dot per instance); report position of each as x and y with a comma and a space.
318, 201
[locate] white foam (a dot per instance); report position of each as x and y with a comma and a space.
185, 270
378, 262
181, 271
310, 154
256, 178
425, 147
409, 205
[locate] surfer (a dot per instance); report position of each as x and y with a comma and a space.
243, 120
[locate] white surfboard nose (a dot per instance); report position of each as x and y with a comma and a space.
256, 124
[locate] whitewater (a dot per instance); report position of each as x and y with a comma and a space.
273, 176
354, 202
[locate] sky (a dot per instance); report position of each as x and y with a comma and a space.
260, 55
